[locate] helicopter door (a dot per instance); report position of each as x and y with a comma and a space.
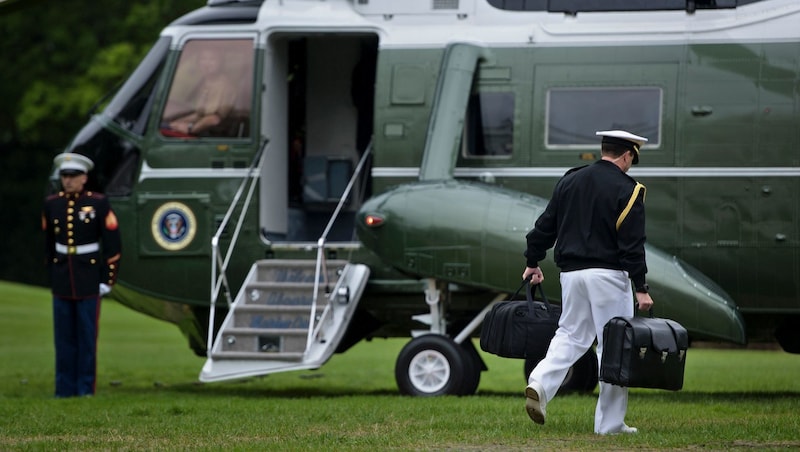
199, 144
318, 118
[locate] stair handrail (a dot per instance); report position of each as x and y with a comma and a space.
217, 263
321, 268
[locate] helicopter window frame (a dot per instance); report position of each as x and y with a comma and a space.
130, 106
571, 121
503, 100
577, 6
233, 98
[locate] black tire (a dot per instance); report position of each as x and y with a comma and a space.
473, 368
582, 377
787, 335
431, 365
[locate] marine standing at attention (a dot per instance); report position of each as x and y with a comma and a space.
595, 219
82, 248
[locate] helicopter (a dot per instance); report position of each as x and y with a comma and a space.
372, 167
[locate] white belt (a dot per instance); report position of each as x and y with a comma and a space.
77, 249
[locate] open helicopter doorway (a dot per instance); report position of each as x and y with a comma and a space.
319, 96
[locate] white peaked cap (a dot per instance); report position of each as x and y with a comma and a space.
623, 135
70, 162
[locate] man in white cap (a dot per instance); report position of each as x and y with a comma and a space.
82, 248
596, 220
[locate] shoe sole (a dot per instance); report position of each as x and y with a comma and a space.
624, 431
533, 406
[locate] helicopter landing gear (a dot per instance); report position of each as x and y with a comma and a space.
434, 365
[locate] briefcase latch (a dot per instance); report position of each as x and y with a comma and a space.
664, 356
642, 352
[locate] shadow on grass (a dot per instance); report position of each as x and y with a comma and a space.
281, 393
684, 396
256, 387
691, 397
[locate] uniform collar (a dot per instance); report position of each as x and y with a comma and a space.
73, 195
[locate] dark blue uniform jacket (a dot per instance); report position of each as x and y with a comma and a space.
74, 224
598, 220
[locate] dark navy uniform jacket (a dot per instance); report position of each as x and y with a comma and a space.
597, 214
82, 243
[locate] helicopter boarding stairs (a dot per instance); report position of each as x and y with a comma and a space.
276, 324
289, 314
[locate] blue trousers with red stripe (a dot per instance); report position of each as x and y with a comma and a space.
75, 332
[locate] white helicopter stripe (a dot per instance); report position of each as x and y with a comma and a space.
149, 172
637, 172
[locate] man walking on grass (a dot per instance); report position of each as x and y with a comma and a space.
596, 220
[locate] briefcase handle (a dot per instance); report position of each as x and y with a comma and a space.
650, 312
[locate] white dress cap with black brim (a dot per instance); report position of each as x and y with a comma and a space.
70, 163
623, 138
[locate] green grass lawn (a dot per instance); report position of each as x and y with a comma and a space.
148, 398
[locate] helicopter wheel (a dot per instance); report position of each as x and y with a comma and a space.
433, 365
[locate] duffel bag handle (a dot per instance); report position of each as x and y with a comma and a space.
525, 282
529, 292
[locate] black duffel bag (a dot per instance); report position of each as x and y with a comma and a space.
520, 328
644, 352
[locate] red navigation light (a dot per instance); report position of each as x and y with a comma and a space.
373, 221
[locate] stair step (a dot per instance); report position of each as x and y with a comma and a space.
290, 320
277, 308
295, 270
271, 293
258, 356
265, 342
267, 331
280, 285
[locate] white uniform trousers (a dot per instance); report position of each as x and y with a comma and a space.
590, 298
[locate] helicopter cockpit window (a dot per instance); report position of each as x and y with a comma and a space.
489, 128
130, 106
211, 92
575, 114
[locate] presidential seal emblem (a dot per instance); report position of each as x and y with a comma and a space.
174, 226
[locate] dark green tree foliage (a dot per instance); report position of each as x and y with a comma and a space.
59, 59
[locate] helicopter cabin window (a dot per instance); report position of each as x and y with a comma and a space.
211, 91
489, 128
575, 114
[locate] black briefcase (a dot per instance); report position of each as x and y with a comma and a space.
644, 352
520, 328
